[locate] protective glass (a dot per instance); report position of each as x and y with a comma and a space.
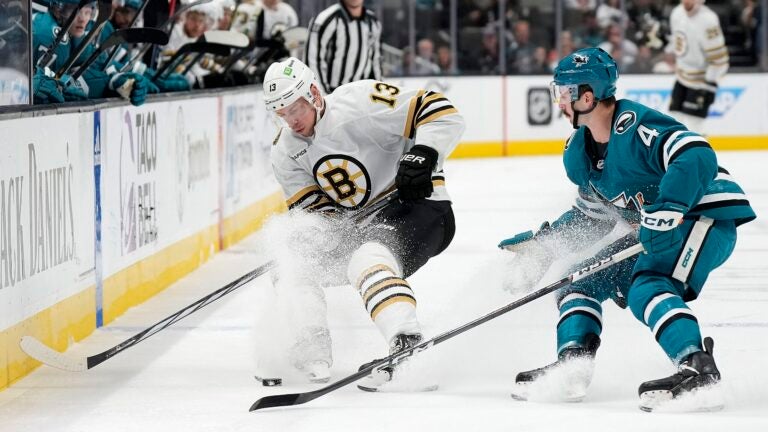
558, 91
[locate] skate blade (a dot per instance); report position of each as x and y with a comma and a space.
707, 399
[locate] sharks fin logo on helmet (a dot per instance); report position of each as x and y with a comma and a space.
580, 60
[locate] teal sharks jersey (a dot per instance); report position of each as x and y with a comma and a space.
651, 158
44, 31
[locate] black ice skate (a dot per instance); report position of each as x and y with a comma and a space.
696, 375
566, 379
385, 374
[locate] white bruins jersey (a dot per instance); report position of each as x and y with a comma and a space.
699, 46
353, 157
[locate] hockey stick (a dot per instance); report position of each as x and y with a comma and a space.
130, 25
217, 42
167, 24
130, 35
46, 59
300, 398
45, 354
105, 11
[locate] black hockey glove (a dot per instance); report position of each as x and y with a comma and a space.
414, 176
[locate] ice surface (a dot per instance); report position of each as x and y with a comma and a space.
198, 374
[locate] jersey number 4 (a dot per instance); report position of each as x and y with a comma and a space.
647, 134
384, 93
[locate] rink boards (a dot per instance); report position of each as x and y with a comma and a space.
513, 115
103, 206
100, 210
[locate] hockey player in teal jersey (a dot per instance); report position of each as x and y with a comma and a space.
94, 83
634, 163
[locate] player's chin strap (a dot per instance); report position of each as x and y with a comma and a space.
576, 112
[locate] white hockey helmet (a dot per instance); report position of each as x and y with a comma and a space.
287, 81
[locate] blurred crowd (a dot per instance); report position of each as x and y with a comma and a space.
521, 36
490, 37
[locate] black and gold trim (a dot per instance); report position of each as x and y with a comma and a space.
426, 107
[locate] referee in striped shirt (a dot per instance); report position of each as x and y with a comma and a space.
344, 45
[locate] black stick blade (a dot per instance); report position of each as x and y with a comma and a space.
280, 400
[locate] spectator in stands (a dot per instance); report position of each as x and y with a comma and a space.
94, 82
445, 60
609, 12
423, 63
540, 63
567, 46
344, 45
522, 49
588, 34
644, 61
623, 50
581, 5
476, 13
488, 61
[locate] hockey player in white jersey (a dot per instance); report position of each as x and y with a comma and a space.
702, 60
343, 152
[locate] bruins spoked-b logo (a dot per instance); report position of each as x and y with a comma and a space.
344, 179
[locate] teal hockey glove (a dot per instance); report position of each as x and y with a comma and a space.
133, 86
172, 83
518, 241
74, 90
46, 89
659, 227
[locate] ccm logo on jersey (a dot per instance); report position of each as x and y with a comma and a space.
413, 158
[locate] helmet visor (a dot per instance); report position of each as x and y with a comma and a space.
294, 112
563, 92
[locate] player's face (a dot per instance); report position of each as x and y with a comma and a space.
81, 21
195, 24
299, 116
563, 96
690, 5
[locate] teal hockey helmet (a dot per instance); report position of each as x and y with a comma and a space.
588, 66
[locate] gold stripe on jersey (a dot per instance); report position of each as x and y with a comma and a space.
396, 299
438, 182
320, 203
414, 105
429, 99
714, 58
277, 137
440, 112
302, 195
